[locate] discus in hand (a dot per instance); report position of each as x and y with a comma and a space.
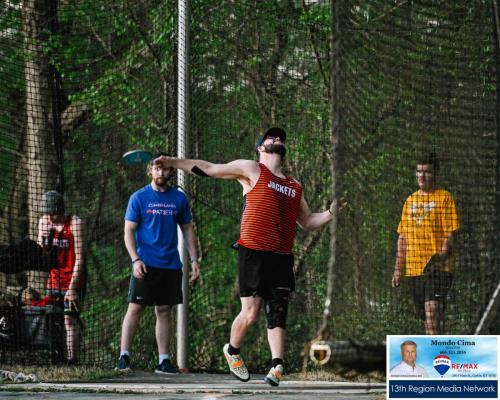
135, 157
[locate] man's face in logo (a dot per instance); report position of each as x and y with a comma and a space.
409, 354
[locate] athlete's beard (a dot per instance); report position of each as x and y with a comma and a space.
276, 149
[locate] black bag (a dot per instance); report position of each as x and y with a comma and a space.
42, 326
26, 255
10, 326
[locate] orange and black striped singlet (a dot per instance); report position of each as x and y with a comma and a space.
270, 213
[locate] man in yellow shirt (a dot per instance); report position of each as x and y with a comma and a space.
425, 256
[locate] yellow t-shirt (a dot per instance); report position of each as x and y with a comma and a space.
426, 220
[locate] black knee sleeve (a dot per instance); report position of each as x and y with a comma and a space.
276, 308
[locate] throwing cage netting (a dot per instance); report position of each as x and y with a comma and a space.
83, 82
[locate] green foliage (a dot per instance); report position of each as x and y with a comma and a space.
11, 93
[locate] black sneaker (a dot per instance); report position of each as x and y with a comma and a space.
166, 367
123, 363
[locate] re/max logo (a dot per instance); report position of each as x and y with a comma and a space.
465, 366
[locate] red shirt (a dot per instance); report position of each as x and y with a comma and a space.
60, 275
270, 215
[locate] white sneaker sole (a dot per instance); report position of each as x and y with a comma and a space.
240, 379
271, 382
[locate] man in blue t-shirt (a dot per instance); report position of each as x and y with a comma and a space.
151, 220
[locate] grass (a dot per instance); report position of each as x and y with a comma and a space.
62, 374
339, 374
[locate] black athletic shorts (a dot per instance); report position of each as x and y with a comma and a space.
429, 287
158, 288
262, 271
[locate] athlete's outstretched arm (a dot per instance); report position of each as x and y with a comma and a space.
233, 170
310, 221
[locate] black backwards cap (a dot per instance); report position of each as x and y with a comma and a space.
274, 132
52, 203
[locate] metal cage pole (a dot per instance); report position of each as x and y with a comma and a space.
182, 177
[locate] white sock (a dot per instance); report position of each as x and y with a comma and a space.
164, 357
124, 353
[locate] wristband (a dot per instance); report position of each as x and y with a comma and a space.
195, 260
133, 262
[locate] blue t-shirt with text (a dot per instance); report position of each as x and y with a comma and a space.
157, 215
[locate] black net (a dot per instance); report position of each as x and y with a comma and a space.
385, 82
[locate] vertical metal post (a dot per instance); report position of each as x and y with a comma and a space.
182, 177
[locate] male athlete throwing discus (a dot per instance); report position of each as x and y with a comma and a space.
274, 204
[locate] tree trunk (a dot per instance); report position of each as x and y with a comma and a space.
40, 150
15, 223
324, 331
13, 218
